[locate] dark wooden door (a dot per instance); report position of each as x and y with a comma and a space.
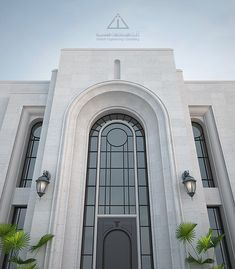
116, 243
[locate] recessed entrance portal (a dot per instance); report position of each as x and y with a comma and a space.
117, 226
116, 243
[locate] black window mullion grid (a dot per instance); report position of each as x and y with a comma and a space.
150, 255
108, 185
17, 216
201, 141
223, 245
125, 151
128, 174
31, 145
108, 154
208, 171
110, 163
15, 220
85, 225
106, 157
25, 172
220, 230
28, 157
123, 180
203, 146
28, 161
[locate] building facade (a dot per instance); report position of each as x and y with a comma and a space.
116, 128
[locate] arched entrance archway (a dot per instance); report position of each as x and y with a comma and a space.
67, 221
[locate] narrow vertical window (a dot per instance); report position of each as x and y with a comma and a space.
221, 251
31, 155
202, 155
17, 219
117, 199
117, 69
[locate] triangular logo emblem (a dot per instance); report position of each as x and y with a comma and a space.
117, 23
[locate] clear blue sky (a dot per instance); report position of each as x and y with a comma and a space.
202, 33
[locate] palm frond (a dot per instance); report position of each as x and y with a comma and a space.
15, 242
185, 232
205, 242
209, 260
28, 266
199, 260
218, 267
217, 239
191, 259
6, 229
43, 241
19, 261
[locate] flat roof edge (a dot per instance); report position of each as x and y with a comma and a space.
24, 81
116, 49
209, 81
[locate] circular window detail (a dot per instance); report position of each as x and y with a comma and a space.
117, 137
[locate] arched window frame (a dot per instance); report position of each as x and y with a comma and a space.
24, 181
111, 119
211, 182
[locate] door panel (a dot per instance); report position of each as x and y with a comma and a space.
116, 243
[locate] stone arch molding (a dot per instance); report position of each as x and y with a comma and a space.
69, 193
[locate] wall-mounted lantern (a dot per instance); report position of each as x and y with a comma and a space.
189, 183
42, 183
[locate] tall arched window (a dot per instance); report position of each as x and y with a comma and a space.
202, 155
31, 154
117, 227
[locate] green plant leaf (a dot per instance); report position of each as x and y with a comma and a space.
15, 241
217, 239
19, 261
28, 266
6, 229
205, 243
185, 232
208, 261
218, 267
43, 241
191, 259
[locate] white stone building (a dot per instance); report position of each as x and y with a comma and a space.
118, 124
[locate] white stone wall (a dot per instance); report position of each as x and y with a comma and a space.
213, 104
21, 103
150, 89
